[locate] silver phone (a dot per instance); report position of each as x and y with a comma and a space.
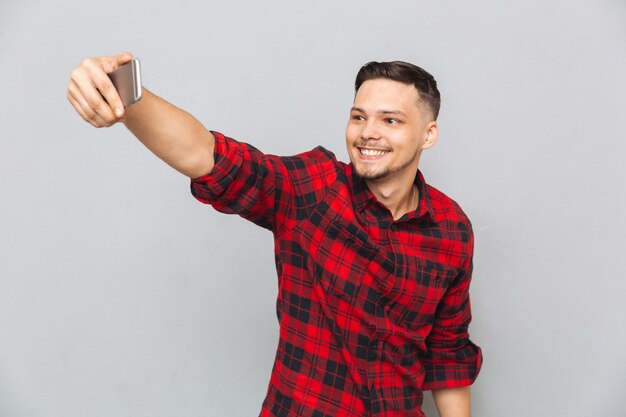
127, 82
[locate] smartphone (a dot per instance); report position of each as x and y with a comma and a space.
127, 82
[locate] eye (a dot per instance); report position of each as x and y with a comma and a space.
357, 117
391, 121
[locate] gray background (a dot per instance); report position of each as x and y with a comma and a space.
120, 295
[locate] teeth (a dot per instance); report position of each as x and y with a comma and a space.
372, 152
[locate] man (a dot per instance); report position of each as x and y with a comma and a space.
374, 265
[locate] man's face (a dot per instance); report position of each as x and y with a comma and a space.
387, 130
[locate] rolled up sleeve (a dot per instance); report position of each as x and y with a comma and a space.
453, 360
246, 182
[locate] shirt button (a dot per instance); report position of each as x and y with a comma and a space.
386, 307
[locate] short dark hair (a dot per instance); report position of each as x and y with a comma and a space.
407, 74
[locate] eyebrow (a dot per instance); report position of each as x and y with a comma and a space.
382, 111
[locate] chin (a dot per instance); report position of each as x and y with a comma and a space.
370, 174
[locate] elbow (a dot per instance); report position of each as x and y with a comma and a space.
197, 166
199, 160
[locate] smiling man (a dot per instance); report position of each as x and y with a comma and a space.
374, 265
390, 125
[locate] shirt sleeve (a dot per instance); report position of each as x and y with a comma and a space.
452, 359
246, 182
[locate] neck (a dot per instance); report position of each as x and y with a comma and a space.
400, 197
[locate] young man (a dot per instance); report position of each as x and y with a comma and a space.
374, 265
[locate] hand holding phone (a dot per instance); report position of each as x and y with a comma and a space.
100, 88
127, 82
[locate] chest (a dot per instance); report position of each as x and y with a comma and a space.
370, 266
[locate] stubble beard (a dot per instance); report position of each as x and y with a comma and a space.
370, 174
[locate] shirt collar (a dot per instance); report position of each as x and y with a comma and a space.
361, 195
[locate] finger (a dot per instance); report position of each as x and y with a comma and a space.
91, 93
111, 63
123, 58
83, 107
83, 89
79, 109
106, 88
79, 102
95, 121
93, 71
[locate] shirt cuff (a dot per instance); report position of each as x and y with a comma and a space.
227, 160
452, 368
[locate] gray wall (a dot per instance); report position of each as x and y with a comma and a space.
120, 295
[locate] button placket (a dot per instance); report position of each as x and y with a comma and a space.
373, 356
398, 273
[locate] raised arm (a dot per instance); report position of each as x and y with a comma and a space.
170, 133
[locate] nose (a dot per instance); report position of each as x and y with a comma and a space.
370, 131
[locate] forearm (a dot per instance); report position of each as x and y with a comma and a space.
172, 134
453, 402
169, 132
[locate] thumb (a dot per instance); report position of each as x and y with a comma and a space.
123, 58
111, 63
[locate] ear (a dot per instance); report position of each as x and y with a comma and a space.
430, 135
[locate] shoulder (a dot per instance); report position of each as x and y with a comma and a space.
448, 212
316, 156
311, 175
317, 165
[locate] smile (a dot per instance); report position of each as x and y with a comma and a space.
372, 153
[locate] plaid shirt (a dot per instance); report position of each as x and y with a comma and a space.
372, 311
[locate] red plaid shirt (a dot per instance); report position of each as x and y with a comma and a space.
372, 311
